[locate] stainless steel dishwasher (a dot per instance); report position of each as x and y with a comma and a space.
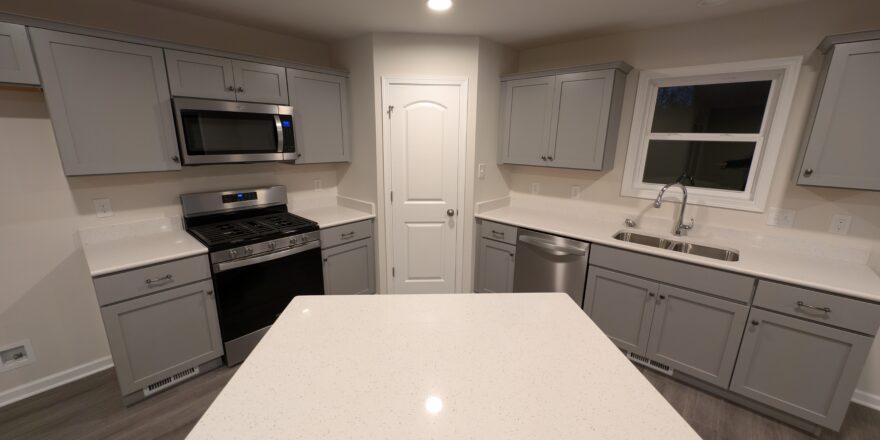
549, 263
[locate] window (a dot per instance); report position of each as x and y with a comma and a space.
716, 129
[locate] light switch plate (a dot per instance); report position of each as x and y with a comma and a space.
840, 224
481, 171
103, 208
784, 218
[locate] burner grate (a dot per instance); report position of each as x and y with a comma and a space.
248, 228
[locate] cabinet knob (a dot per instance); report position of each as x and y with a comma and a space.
230, 88
754, 322
543, 157
210, 292
651, 294
175, 159
550, 158
662, 296
808, 172
325, 260
240, 89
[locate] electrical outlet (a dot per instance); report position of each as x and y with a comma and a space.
840, 224
103, 208
317, 183
16, 355
536, 187
575, 191
481, 171
784, 218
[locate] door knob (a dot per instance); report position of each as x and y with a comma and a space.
450, 212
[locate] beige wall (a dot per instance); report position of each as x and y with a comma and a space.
135, 18
781, 32
46, 294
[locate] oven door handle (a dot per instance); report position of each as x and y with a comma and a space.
279, 133
222, 267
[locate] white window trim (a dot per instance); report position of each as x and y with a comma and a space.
768, 142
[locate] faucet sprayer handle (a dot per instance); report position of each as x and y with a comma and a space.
688, 226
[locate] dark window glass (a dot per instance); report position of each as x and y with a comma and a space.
711, 108
703, 164
210, 132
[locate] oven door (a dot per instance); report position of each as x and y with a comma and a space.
252, 292
213, 132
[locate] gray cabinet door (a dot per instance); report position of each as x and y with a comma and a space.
841, 150
109, 102
320, 103
622, 306
803, 368
581, 108
158, 335
16, 60
262, 83
495, 267
349, 269
697, 334
526, 116
200, 76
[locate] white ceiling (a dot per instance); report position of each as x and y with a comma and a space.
519, 23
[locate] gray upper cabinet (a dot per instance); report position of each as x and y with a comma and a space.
205, 76
16, 60
800, 367
841, 145
495, 266
622, 306
109, 102
200, 76
526, 112
155, 336
697, 334
255, 82
320, 104
562, 119
349, 268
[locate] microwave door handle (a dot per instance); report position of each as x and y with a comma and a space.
279, 134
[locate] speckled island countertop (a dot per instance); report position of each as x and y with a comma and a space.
488, 366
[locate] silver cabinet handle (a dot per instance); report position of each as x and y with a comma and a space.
550, 158
754, 322
240, 89
662, 296
808, 172
809, 306
651, 294
543, 157
347, 235
497, 234
543, 244
151, 281
230, 88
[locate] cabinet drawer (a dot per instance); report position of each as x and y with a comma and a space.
133, 283
498, 232
346, 233
848, 313
716, 282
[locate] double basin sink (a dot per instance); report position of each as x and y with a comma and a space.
678, 246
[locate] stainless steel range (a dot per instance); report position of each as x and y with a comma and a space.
261, 258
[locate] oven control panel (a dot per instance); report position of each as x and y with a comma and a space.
239, 197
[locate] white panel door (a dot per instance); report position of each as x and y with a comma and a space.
425, 140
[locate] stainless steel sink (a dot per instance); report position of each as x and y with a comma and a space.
678, 246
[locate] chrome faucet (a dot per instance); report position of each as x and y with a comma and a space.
679, 224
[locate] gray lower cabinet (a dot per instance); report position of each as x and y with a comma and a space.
622, 306
16, 59
841, 142
697, 334
349, 268
156, 336
349, 259
109, 102
496, 263
800, 367
320, 102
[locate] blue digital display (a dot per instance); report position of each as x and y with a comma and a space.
240, 195
285, 123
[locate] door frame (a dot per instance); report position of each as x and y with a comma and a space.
387, 82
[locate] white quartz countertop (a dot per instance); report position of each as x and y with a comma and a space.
794, 263
127, 246
488, 366
334, 215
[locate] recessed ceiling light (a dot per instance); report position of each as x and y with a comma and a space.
439, 5
710, 3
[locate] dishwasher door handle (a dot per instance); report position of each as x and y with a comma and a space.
544, 244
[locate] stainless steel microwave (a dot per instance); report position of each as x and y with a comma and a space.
211, 132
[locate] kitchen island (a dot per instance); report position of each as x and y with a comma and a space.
500, 366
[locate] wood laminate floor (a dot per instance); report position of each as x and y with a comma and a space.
92, 409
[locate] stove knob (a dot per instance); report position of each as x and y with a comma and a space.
292, 241
249, 250
271, 245
232, 253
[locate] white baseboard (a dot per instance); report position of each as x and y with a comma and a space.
55, 380
866, 399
